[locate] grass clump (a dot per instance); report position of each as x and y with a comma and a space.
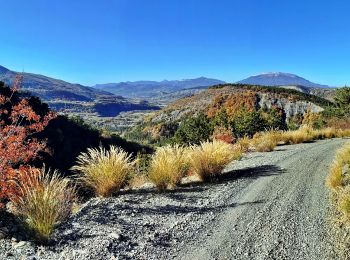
302, 135
339, 170
167, 166
265, 142
338, 181
43, 200
209, 158
105, 171
243, 144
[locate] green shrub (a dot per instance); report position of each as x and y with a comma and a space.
247, 123
194, 130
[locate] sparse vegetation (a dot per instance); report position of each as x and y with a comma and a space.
43, 199
106, 171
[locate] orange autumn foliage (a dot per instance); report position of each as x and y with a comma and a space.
233, 103
18, 123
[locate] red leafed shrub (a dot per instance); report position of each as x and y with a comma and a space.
223, 134
18, 123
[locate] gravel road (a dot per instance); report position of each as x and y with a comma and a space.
283, 214
267, 206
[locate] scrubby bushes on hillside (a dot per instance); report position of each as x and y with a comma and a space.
105, 171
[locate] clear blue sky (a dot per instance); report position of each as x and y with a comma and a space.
110, 41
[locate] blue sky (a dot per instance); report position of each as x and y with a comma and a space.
104, 41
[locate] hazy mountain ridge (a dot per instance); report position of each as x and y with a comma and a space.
148, 89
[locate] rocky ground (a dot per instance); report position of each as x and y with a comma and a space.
266, 206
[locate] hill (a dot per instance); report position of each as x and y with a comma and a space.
280, 79
149, 89
73, 98
288, 105
49, 89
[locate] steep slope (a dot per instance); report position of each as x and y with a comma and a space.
148, 89
280, 79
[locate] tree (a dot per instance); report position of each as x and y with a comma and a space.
18, 123
194, 130
342, 99
247, 123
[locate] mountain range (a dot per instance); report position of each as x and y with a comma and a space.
129, 95
74, 98
149, 89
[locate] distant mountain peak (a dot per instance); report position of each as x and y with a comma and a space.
280, 79
278, 74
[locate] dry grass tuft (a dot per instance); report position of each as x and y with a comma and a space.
338, 177
335, 177
210, 158
266, 142
244, 144
106, 171
339, 181
43, 200
168, 165
302, 135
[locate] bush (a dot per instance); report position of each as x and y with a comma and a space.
43, 200
223, 134
209, 158
106, 171
168, 165
20, 119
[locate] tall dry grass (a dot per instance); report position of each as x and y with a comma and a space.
243, 144
43, 200
210, 158
338, 181
266, 141
302, 135
168, 165
105, 171
338, 175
